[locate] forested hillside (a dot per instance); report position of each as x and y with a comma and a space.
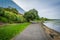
10, 15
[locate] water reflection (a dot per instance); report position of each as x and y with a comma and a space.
53, 25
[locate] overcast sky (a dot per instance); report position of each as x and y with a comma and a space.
46, 8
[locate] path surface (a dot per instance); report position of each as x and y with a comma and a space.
32, 32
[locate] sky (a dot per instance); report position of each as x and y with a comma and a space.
46, 8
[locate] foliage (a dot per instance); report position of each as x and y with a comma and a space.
20, 18
10, 15
14, 10
1, 11
2, 19
42, 19
31, 15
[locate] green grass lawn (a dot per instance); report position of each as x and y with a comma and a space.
9, 31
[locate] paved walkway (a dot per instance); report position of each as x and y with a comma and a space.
32, 32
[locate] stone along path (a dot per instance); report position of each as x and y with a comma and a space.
32, 32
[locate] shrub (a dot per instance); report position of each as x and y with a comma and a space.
3, 19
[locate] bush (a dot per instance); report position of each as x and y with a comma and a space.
3, 19
11, 16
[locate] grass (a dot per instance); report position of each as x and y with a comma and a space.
9, 31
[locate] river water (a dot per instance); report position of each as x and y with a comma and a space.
55, 25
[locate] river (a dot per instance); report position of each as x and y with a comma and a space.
54, 24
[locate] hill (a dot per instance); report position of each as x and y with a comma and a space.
10, 15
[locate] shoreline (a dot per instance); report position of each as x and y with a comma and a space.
52, 33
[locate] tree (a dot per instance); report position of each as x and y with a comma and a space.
31, 15
11, 9
2, 11
10, 15
43, 19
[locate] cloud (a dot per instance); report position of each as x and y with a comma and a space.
46, 8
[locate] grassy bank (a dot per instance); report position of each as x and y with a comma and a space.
10, 30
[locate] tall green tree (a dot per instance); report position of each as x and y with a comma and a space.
31, 15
